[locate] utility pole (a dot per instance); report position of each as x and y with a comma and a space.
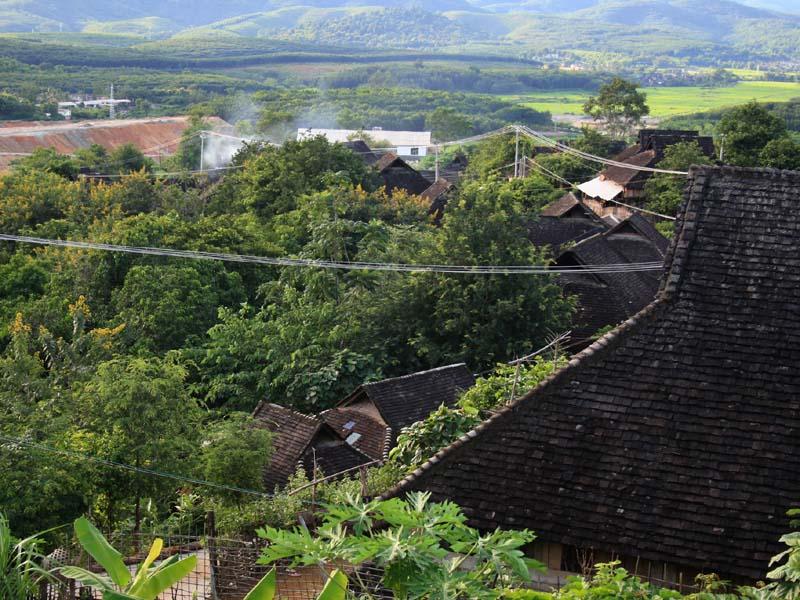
516, 154
202, 148
722, 148
436, 178
112, 112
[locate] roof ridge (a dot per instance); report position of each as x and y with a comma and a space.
410, 375
605, 344
311, 418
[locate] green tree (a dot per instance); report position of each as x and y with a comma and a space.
235, 453
620, 105
744, 132
782, 153
94, 158
432, 319
596, 142
664, 192
128, 158
137, 411
448, 124
162, 305
47, 159
424, 550
274, 180
29, 198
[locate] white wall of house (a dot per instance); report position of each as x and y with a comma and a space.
412, 151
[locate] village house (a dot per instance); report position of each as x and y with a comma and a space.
361, 429
671, 442
397, 174
578, 237
374, 414
564, 222
303, 442
617, 183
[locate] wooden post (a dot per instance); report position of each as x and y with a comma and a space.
213, 555
363, 475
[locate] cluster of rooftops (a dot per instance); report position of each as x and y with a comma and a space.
361, 429
672, 440
674, 437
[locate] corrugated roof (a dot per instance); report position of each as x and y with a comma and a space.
674, 437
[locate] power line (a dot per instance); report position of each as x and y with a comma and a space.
558, 177
591, 157
343, 265
157, 175
118, 465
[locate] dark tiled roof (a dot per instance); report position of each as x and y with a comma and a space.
660, 139
624, 176
674, 437
556, 232
405, 400
436, 189
564, 205
436, 195
332, 455
386, 160
293, 434
564, 221
634, 290
373, 436
363, 151
398, 174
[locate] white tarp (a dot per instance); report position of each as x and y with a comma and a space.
601, 188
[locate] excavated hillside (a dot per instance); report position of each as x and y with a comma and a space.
152, 136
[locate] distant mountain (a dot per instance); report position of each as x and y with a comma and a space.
738, 28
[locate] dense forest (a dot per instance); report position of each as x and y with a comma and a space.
95, 344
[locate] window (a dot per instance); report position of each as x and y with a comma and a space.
353, 438
415, 152
349, 425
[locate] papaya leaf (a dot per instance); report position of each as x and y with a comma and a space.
265, 589
335, 588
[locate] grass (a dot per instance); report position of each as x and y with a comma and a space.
671, 101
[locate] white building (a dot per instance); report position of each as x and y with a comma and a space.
406, 144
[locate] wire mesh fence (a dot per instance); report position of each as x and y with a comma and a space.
227, 569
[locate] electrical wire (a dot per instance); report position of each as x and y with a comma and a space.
159, 175
527, 131
558, 177
118, 465
342, 265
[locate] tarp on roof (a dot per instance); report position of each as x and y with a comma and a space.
601, 188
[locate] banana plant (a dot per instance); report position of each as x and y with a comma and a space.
118, 583
335, 588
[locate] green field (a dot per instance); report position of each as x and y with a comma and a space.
671, 101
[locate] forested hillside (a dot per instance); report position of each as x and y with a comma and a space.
686, 27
